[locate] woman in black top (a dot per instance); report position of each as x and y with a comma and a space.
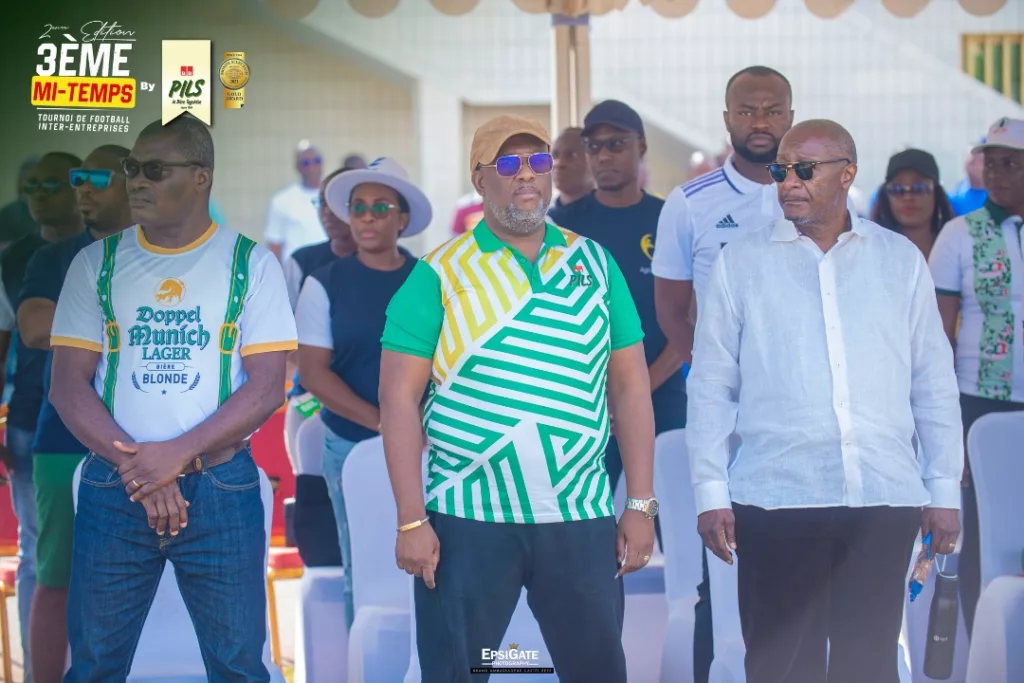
341, 314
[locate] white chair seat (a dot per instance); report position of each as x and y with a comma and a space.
997, 648
378, 645
321, 640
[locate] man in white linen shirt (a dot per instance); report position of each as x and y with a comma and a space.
829, 323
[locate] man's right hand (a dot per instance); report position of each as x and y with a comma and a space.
418, 551
166, 509
717, 528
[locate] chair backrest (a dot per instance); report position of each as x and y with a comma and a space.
310, 446
168, 648
997, 469
372, 520
678, 515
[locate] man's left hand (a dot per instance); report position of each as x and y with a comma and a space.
153, 465
635, 541
944, 525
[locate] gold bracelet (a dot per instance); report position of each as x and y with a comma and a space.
413, 525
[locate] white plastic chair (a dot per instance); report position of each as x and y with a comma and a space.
683, 559
168, 649
293, 421
321, 638
996, 652
378, 646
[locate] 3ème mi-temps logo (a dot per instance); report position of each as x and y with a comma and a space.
83, 80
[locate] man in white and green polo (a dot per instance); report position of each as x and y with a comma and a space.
526, 336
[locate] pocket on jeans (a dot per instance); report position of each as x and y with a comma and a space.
99, 473
238, 474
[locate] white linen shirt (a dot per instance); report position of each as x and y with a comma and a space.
823, 366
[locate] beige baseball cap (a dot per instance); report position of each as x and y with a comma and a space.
1006, 133
489, 137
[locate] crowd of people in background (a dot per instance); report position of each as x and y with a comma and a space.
471, 340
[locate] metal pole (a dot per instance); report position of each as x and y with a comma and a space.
570, 99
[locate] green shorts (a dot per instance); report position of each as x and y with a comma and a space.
53, 476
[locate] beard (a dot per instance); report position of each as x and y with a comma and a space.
517, 221
768, 157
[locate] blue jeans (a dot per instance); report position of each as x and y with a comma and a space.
23, 497
336, 449
218, 561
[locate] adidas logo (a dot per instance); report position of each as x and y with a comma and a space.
727, 222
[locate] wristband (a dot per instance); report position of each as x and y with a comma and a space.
412, 525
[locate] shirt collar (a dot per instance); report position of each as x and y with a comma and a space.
785, 231
488, 241
739, 182
998, 213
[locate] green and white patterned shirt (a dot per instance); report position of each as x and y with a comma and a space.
517, 416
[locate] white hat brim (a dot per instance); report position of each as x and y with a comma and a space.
999, 145
340, 188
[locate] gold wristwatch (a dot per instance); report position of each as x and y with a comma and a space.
648, 506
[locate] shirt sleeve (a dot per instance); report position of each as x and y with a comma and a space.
626, 329
944, 261
275, 232
415, 314
313, 315
41, 280
292, 280
78, 321
713, 388
934, 396
7, 318
267, 323
673, 245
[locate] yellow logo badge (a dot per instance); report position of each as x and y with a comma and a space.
170, 292
647, 245
234, 76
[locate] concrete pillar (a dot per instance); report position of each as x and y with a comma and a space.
570, 43
442, 160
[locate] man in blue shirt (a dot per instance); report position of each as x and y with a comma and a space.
100, 191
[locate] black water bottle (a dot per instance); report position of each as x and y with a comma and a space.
942, 623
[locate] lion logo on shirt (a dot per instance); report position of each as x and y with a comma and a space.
170, 291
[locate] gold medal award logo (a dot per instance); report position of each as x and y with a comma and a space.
234, 76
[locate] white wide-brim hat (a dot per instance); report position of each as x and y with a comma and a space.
387, 172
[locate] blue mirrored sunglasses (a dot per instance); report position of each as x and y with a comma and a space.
98, 178
509, 166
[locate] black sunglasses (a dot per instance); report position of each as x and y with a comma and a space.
153, 170
613, 145
804, 169
49, 186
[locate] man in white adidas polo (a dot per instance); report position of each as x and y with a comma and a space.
169, 347
705, 214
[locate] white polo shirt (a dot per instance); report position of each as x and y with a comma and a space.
294, 219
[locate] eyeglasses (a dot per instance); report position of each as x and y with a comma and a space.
804, 169
315, 161
49, 186
915, 190
613, 145
153, 170
380, 210
510, 165
99, 178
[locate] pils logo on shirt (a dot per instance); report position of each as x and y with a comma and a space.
170, 292
579, 276
647, 245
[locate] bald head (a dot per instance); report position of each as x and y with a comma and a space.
829, 134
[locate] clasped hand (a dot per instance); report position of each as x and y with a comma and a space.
150, 477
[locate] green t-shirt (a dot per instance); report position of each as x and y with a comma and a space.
517, 416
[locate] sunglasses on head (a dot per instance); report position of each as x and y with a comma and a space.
915, 190
315, 161
153, 170
804, 169
48, 186
378, 210
509, 166
613, 145
99, 178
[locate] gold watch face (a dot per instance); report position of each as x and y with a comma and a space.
652, 507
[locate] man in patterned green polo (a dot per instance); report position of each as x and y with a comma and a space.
526, 335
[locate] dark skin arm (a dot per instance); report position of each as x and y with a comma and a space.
672, 301
666, 365
403, 378
316, 376
35, 319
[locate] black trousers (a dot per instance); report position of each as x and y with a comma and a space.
969, 568
568, 569
821, 592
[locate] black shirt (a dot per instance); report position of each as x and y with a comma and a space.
27, 397
628, 234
